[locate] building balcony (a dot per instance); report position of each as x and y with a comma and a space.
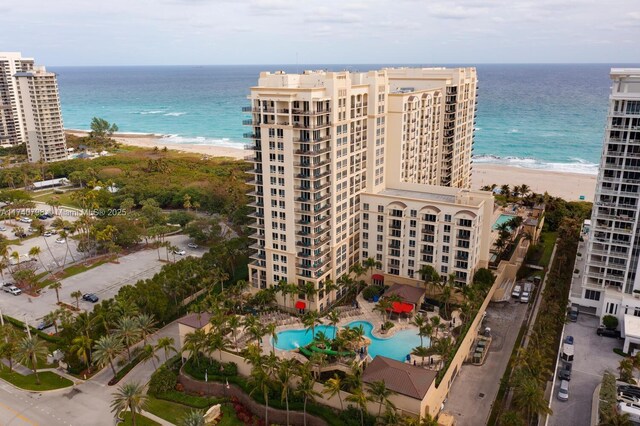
311, 152
313, 188
312, 165
248, 122
311, 126
250, 136
297, 111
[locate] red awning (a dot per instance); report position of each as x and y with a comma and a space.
377, 277
300, 304
400, 307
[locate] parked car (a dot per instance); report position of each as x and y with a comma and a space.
607, 332
563, 391
573, 314
31, 230
13, 290
192, 245
90, 297
180, 252
48, 233
20, 233
3, 228
565, 372
567, 353
26, 220
568, 340
43, 217
7, 284
44, 324
49, 215
524, 298
517, 290
61, 240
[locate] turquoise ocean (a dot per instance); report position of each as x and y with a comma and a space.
542, 116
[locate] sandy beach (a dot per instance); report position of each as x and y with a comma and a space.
569, 186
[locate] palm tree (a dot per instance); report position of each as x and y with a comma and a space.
359, 398
505, 190
167, 345
318, 360
234, 322
8, 344
443, 347
310, 320
370, 264
270, 329
56, 286
330, 286
106, 349
419, 321
625, 368
128, 331
381, 394
260, 380
306, 388
217, 341
309, 290
81, 345
333, 387
35, 251
30, 351
129, 396
52, 318
285, 372
146, 326
193, 418
194, 343
77, 295
429, 275
334, 319
422, 352
529, 397
149, 353
383, 306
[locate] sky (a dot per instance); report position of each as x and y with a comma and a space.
203, 32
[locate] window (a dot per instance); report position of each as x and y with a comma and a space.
380, 209
592, 295
447, 218
365, 206
444, 269
412, 223
447, 228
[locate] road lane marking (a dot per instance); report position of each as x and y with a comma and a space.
18, 415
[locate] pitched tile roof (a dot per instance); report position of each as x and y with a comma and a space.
407, 293
195, 320
399, 377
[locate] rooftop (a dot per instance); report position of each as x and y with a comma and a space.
399, 377
428, 196
407, 293
195, 320
632, 326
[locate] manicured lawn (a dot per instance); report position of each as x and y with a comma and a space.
549, 242
140, 420
48, 380
175, 413
73, 270
65, 199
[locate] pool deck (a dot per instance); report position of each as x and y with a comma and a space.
366, 313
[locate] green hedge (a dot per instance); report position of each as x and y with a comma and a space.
194, 401
34, 331
125, 370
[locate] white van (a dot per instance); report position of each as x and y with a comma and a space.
516, 291
567, 352
563, 391
525, 297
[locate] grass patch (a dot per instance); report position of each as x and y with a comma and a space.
48, 380
549, 240
65, 199
170, 411
619, 352
193, 401
140, 420
71, 271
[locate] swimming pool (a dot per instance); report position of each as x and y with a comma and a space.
503, 218
396, 347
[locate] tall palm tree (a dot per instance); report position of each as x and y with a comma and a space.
8, 344
422, 352
30, 351
77, 295
429, 275
285, 372
194, 343
380, 393
106, 350
36, 251
333, 387
52, 318
56, 286
166, 344
81, 345
146, 326
128, 331
217, 341
149, 354
329, 287
334, 318
234, 323
270, 329
129, 396
306, 388
310, 320
359, 398
419, 321
370, 264
529, 397
261, 380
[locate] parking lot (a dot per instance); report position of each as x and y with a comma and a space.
593, 356
104, 280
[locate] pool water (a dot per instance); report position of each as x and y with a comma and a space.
503, 218
395, 347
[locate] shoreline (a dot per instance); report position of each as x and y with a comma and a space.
567, 185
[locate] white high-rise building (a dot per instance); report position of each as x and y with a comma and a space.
324, 140
30, 108
606, 276
11, 123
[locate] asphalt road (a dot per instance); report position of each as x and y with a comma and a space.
104, 280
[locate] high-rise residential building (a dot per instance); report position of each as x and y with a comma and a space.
324, 140
11, 123
606, 276
30, 108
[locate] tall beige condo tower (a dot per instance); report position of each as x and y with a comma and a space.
324, 140
11, 124
30, 108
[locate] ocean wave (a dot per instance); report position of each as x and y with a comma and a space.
201, 140
174, 114
577, 165
152, 112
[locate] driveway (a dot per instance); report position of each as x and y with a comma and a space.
104, 280
593, 356
474, 390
